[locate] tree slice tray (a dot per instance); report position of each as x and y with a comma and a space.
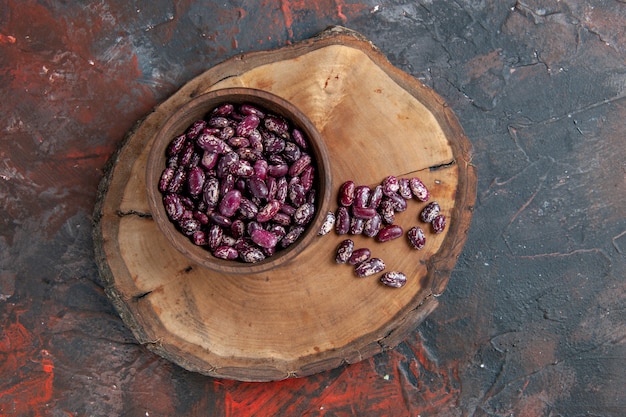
310, 314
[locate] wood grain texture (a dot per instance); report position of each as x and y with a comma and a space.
308, 315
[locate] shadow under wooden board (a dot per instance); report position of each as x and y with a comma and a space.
310, 314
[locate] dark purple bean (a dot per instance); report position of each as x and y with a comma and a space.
342, 223
247, 125
166, 178
307, 178
242, 168
372, 226
211, 192
356, 226
187, 202
390, 185
226, 252
272, 187
279, 170
390, 232
376, 197
199, 238
226, 134
387, 211
276, 125
195, 181
418, 189
185, 156
363, 212
439, 223
247, 208
220, 220
215, 236
393, 279
257, 187
328, 225
429, 212
344, 251
229, 204
260, 168
177, 181
252, 226
359, 255
370, 267
398, 202
226, 160
227, 184
238, 142
247, 109
405, 190
304, 214
223, 110
361, 196
209, 160
297, 167
278, 230
249, 154
256, 140
297, 194
263, 238
176, 145
299, 139
291, 236
238, 228
282, 189
281, 218
212, 143
201, 217
189, 226
416, 237
291, 152
173, 206
195, 129
288, 209
218, 121
346, 193
268, 211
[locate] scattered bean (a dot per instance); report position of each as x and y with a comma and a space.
393, 279
344, 251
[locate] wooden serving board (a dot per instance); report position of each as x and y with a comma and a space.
311, 314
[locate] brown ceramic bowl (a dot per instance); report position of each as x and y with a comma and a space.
196, 109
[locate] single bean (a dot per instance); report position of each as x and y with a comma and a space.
390, 185
173, 206
416, 237
247, 125
370, 267
390, 232
363, 212
429, 212
361, 196
195, 129
344, 251
328, 224
304, 214
226, 252
418, 189
356, 226
223, 110
176, 145
268, 211
346, 193
291, 236
264, 238
195, 181
439, 223
372, 226
359, 255
342, 223
394, 279
404, 188
166, 178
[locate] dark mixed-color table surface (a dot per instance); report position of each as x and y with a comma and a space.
533, 319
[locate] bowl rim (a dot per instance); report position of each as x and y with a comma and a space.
197, 108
